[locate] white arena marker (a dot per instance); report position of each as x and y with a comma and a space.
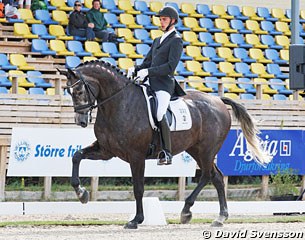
153, 212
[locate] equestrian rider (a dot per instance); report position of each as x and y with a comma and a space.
158, 67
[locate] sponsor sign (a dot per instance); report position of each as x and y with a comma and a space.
49, 151
287, 147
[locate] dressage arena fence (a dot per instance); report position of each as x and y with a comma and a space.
56, 111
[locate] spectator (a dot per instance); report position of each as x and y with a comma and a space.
95, 17
78, 23
38, 5
27, 4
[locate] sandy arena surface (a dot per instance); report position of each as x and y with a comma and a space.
192, 231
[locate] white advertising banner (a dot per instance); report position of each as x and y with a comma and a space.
48, 152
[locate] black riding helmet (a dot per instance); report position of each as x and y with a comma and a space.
171, 12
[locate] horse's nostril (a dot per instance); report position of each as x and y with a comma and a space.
83, 124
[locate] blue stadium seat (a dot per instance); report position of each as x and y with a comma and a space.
242, 53
40, 45
180, 26
144, 20
44, 16
234, 11
245, 70
210, 52
50, 7
274, 68
269, 40
245, 83
112, 19
278, 96
139, 61
143, 35
209, 25
239, 26
182, 71
246, 96
110, 60
77, 48
36, 78
273, 55
72, 61
206, 11
279, 85
111, 6
301, 32
212, 82
142, 48
36, 90
211, 67
239, 40
207, 38
264, 12
111, 48
3, 90
4, 81
4, 63
269, 26
175, 5
185, 57
143, 8
42, 31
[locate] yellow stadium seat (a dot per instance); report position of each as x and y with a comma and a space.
88, 4
226, 53
22, 29
283, 27
59, 47
233, 96
59, 32
282, 41
155, 33
61, 5
224, 25
155, 6
128, 20
266, 96
224, 40
95, 49
127, 35
265, 86
156, 21
221, 12
255, 41
127, 7
196, 82
195, 52
196, 68
190, 10
125, 63
191, 37
193, 24
50, 91
300, 98
280, 14
27, 16
251, 13
260, 69
228, 68
302, 14
258, 55
88, 59
20, 90
60, 16
129, 50
284, 54
20, 61
230, 84
253, 25
22, 82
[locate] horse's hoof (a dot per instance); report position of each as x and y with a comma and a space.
217, 223
85, 197
185, 217
131, 225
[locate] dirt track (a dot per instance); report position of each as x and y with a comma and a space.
170, 232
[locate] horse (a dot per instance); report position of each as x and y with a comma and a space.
122, 129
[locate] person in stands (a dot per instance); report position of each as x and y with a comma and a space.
27, 4
78, 23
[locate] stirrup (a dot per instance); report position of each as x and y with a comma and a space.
165, 158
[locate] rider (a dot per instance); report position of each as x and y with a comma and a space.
159, 66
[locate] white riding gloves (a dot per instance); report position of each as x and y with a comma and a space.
142, 74
130, 72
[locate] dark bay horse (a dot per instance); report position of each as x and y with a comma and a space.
122, 130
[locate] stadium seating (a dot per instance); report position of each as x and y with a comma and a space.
77, 48
282, 41
264, 13
259, 68
143, 35
22, 29
40, 45
274, 55
44, 17
274, 69
21, 79
3, 90
175, 5
20, 61
127, 34
125, 63
143, 8
230, 84
126, 6
283, 28
238, 39
221, 12
280, 86
245, 70
181, 70
234, 11
4, 63
208, 24
42, 32
142, 49
4, 82
59, 32
195, 67
269, 27
61, 5
36, 78
251, 13
59, 47
128, 49
242, 54
27, 16
247, 96
145, 21
223, 39
265, 86
195, 53
255, 41
111, 7
270, 42
258, 55
210, 53
192, 23
112, 49
196, 82
279, 14
228, 68
206, 11
60, 17
239, 26
191, 37
72, 62
254, 26
36, 91
189, 9
129, 21
112, 19
95, 49
226, 53
246, 83
207, 38
211, 68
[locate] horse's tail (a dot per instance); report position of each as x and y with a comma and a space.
250, 131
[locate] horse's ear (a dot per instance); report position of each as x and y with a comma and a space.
62, 72
70, 73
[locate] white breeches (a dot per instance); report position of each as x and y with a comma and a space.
27, 2
163, 102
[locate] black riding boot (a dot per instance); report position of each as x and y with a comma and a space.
165, 156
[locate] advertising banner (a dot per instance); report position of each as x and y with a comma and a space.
287, 147
49, 151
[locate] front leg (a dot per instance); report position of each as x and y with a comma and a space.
92, 152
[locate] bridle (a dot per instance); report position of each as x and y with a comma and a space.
90, 94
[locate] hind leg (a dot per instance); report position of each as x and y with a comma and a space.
217, 180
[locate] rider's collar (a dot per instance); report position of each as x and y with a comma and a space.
166, 34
